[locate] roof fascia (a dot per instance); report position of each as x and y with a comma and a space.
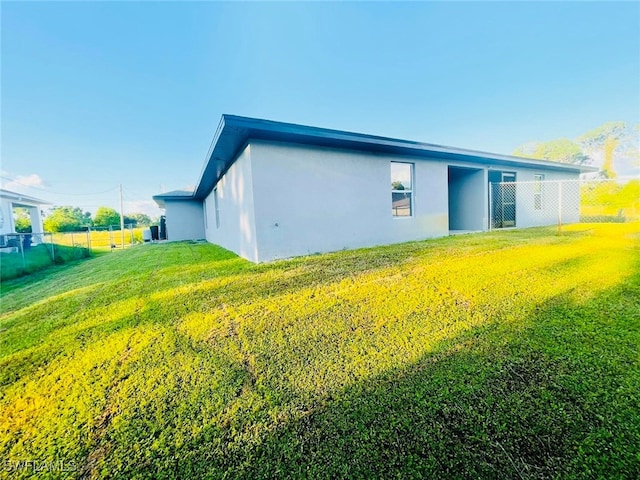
235, 132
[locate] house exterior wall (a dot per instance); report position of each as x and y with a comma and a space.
8, 223
280, 200
6, 212
312, 200
234, 228
185, 220
36, 219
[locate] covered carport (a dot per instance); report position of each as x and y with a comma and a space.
467, 193
11, 200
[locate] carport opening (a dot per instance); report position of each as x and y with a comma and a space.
502, 203
466, 199
22, 219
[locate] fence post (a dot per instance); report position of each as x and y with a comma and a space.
73, 243
89, 239
21, 247
53, 251
490, 206
110, 238
559, 207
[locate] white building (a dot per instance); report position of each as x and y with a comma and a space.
272, 190
9, 201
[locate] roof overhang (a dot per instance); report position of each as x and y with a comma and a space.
171, 196
235, 132
20, 200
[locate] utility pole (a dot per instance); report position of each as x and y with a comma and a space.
121, 217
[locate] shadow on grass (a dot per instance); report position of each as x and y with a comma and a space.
547, 395
533, 400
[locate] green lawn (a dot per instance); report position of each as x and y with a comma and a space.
510, 354
36, 258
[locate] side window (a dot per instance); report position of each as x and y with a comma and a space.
215, 203
401, 189
204, 211
537, 191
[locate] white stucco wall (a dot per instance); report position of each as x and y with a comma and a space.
8, 222
6, 211
185, 220
36, 220
235, 229
310, 200
283, 200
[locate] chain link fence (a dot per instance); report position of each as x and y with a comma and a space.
22, 253
563, 202
100, 239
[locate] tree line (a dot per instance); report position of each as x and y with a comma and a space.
608, 144
70, 219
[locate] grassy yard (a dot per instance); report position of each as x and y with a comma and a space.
67, 247
511, 354
38, 257
99, 240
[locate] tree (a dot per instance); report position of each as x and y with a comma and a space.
137, 220
65, 219
130, 220
561, 150
105, 217
612, 141
613, 198
22, 220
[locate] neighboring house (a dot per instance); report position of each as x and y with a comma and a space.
272, 190
9, 201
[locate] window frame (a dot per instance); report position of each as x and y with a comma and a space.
405, 191
216, 206
538, 188
204, 211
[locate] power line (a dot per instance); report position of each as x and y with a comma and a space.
134, 195
13, 180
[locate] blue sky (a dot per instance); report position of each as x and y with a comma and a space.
98, 94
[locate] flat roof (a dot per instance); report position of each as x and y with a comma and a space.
234, 132
21, 198
172, 195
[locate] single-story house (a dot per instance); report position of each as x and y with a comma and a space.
9, 201
271, 190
